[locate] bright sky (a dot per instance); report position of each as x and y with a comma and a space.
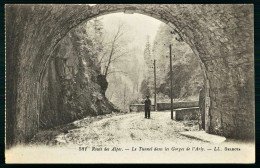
140, 25
138, 28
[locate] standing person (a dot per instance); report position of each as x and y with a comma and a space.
147, 107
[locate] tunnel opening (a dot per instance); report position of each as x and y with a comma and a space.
223, 40
58, 99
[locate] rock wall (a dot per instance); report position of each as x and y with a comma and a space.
70, 89
21, 104
221, 35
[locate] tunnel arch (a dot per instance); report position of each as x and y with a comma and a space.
221, 35
103, 9
128, 10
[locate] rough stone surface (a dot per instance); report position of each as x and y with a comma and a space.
202, 106
221, 35
70, 89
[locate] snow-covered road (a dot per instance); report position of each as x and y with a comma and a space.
130, 128
129, 138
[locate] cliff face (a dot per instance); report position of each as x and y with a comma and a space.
70, 86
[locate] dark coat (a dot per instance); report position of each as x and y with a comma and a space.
147, 103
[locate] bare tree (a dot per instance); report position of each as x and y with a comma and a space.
115, 50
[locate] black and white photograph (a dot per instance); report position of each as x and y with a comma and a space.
130, 83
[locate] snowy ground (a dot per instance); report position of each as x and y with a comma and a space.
130, 138
114, 129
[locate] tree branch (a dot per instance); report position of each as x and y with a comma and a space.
117, 35
100, 61
114, 59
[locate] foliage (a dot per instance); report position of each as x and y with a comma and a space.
187, 75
